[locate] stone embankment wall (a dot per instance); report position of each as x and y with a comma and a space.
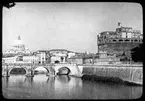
127, 72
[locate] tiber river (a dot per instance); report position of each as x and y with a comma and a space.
64, 87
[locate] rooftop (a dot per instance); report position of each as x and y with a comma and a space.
58, 50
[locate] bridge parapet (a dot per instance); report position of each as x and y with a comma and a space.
66, 64
25, 64
18, 64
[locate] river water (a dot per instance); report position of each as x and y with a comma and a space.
64, 87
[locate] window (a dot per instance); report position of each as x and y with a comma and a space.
120, 40
114, 40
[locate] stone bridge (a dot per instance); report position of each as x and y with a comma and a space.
74, 69
52, 69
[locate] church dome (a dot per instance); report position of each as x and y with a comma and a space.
18, 44
18, 47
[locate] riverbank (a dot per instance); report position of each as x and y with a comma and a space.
114, 80
126, 73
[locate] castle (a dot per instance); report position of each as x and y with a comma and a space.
119, 42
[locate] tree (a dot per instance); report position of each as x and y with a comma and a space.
137, 53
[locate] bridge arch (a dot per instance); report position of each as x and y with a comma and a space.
64, 70
47, 69
26, 70
73, 68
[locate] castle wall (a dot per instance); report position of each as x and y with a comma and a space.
117, 48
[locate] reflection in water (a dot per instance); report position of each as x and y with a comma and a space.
28, 80
64, 87
5, 81
101, 90
63, 78
40, 78
18, 71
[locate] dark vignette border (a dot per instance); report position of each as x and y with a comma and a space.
10, 3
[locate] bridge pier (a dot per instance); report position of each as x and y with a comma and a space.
5, 71
29, 79
51, 71
30, 73
50, 74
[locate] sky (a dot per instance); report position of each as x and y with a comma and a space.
72, 26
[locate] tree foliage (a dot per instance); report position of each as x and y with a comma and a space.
137, 53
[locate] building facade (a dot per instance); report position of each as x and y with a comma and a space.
21, 59
58, 55
43, 55
54, 55
75, 59
30, 59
